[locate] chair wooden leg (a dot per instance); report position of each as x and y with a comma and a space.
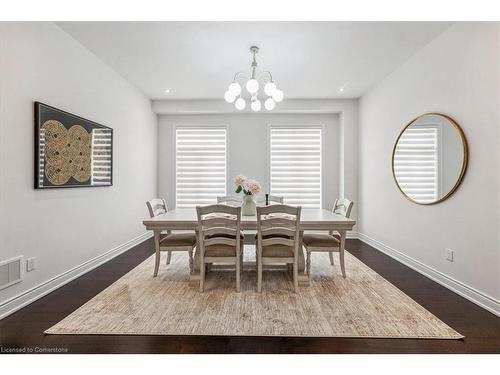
241, 259
331, 258
308, 265
169, 257
259, 275
296, 275
202, 275
157, 250
238, 275
191, 262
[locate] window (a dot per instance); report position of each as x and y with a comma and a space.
200, 165
101, 156
416, 162
295, 170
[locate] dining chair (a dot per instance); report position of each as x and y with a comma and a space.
229, 200
171, 241
322, 242
220, 239
278, 239
261, 202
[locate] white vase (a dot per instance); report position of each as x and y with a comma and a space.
248, 207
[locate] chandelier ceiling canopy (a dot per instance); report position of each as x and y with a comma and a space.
254, 82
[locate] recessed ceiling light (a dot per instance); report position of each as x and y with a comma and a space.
342, 89
167, 91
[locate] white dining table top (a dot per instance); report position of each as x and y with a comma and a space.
311, 218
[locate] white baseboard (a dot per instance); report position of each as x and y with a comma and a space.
352, 235
486, 302
17, 302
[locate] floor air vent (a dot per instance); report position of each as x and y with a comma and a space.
11, 271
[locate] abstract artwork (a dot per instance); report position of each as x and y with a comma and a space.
71, 151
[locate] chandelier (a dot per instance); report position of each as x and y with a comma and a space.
234, 92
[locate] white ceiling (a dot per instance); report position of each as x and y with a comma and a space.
197, 60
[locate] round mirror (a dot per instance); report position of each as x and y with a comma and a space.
429, 158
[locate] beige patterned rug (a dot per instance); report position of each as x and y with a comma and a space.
363, 305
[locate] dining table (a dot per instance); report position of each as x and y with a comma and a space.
312, 219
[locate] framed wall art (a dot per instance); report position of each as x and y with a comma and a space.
71, 151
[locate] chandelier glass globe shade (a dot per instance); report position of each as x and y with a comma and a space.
270, 88
235, 89
269, 104
252, 86
278, 96
240, 103
256, 105
229, 97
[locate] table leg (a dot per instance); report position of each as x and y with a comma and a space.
157, 235
342, 249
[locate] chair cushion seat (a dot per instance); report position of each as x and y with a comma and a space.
277, 251
320, 240
178, 239
221, 251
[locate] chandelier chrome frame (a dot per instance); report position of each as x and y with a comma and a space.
234, 92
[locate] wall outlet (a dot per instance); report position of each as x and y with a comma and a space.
449, 255
30, 264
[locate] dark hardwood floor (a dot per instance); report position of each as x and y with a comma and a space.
24, 329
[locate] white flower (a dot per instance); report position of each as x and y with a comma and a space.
239, 180
252, 186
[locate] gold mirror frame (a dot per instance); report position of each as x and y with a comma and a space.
464, 161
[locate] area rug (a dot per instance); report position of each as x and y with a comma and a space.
363, 305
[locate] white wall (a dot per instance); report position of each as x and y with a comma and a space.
456, 74
248, 148
64, 228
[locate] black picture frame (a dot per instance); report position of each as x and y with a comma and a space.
44, 113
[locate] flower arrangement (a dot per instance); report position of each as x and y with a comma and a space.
247, 186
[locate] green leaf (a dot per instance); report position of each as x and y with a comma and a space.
238, 189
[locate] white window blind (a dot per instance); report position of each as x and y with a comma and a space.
200, 165
416, 162
296, 165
